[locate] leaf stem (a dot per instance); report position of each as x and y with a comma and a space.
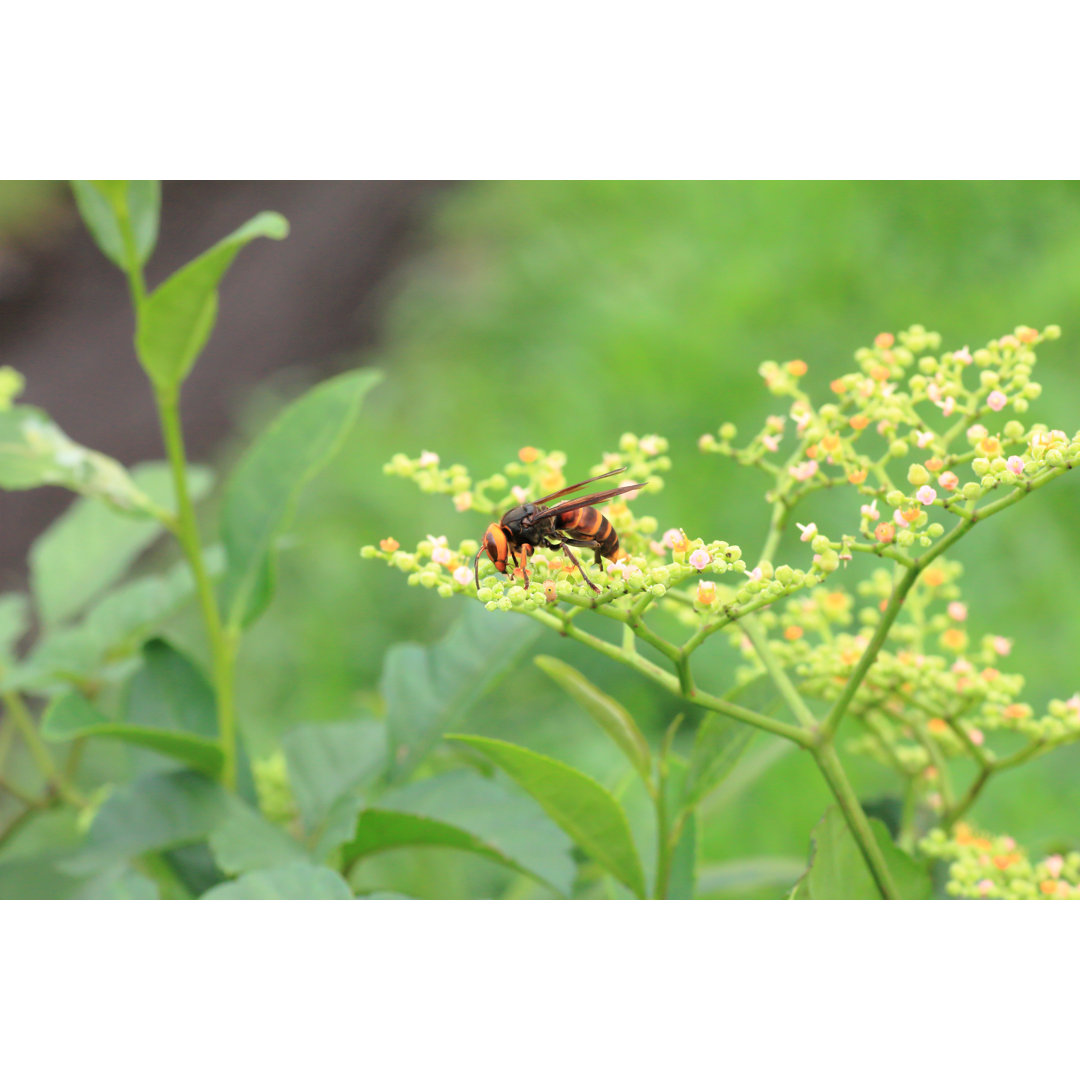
222, 642
20, 716
829, 764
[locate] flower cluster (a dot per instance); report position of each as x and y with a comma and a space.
933, 693
984, 867
937, 415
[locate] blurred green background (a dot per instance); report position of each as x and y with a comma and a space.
563, 314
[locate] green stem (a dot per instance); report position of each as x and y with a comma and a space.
222, 641
22, 719
779, 676
670, 682
846, 799
855, 680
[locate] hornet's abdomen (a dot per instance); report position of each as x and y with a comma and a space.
587, 523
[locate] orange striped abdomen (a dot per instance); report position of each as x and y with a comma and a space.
587, 523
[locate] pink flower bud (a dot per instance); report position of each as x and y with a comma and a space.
924, 439
1002, 646
428, 458
926, 494
808, 531
949, 481
463, 501
1016, 465
1055, 864
996, 400
957, 611
699, 558
963, 355
463, 575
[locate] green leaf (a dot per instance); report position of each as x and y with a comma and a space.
152, 813
111, 632
89, 546
430, 689
171, 694
757, 874
583, 809
246, 841
615, 721
120, 883
73, 717
175, 320
326, 761
293, 881
838, 870
719, 744
34, 452
501, 819
263, 489
385, 830
101, 204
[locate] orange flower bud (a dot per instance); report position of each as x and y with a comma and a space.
528, 454
884, 341
856, 476
797, 367
793, 633
859, 422
389, 545
934, 577
885, 532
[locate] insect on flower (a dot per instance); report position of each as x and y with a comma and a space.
574, 523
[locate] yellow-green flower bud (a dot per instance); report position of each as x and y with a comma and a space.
917, 475
1014, 431
728, 431
980, 466
898, 448
971, 490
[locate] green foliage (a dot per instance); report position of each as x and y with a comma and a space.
623, 306
262, 491
428, 690
606, 711
73, 717
838, 870
112, 208
291, 881
89, 547
175, 320
581, 807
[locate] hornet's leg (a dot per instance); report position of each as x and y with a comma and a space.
526, 551
573, 558
591, 545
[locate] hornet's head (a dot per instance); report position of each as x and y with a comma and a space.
496, 545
